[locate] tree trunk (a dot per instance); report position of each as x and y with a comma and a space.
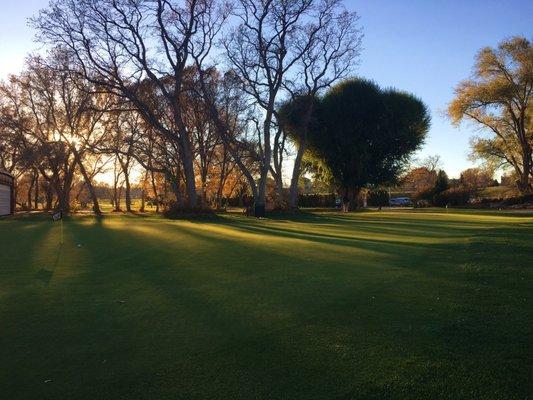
128, 192
219, 197
49, 197
296, 170
260, 200
175, 186
188, 171
36, 194
154, 189
241, 197
356, 198
203, 182
350, 200
119, 198
279, 191
116, 177
222, 181
293, 193
143, 196
87, 179
64, 199
124, 165
345, 200
143, 191
277, 168
29, 194
116, 200
523, 185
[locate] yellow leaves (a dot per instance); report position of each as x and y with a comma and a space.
498, 76
496, 99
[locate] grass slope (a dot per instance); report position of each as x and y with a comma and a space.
390, 305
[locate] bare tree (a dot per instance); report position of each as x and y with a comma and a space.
54, 116
432, 163
13, 143
119, 44
65, 102
29, 112
229, 112
275, 45
122, 130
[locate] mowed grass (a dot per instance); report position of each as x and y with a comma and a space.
375, 305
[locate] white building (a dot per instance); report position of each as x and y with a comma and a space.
7, 194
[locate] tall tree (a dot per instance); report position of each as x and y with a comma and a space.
121, 44
122, 132
297, 117
274, 43
13, 143
365, 135
52, 116
442, 182
29, 107
64, 103
497, 99
329, 56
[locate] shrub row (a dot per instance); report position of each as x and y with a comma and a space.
316, 200
378, 198
453, 197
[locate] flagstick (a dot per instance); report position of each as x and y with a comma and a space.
61, 227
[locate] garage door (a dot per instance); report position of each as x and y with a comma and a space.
5, 200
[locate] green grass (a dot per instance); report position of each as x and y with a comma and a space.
391, 305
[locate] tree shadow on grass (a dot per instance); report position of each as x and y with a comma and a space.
21, 240
216, 311
247, 345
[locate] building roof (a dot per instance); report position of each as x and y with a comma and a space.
6, 178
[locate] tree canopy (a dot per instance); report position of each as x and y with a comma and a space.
497, 99
365, 134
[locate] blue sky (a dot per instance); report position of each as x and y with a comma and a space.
427, 46
422, 46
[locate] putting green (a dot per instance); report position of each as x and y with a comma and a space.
374, 305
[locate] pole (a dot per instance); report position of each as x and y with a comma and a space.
61, 228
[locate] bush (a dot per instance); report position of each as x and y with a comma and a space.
454, 197
425, 195
378, 198
316, 200
523, 199
244, 201
422, 204
432, 195
174, 211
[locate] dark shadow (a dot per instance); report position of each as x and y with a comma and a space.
44, 275
232, 308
